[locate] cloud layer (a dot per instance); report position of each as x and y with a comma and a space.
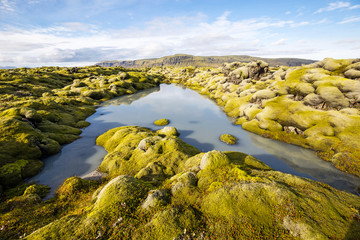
75, 42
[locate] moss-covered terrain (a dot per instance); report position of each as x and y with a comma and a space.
228, 139
162, 122
43, 108
159, 187
315, 106
162, 188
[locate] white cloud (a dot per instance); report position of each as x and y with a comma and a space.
348, 41
78, 42
288, 13
33, 1
7, 6
350, 20
337, 5
354, 7
279, 42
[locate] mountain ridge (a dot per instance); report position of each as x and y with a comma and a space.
184, 60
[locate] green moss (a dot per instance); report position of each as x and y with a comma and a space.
213, 159
162, 122
228, 139
235, 196
168, 131
119, 190
133, 148
82, 124
13, 173
333, 96
72, 185
171, 223
40, 190
295, 75
246, 161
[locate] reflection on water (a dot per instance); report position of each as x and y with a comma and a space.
128, 99
304, 160
200, 123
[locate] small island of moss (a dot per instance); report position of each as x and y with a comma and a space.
228, 139
162, 122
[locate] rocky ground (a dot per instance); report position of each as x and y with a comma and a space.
152, 185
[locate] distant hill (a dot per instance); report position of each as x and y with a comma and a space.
183, 60
7, 67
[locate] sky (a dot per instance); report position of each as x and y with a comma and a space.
83, 32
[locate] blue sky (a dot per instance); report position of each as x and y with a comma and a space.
83, 32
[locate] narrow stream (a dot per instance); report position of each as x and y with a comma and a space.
200, 123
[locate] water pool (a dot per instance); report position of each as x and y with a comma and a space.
200, 123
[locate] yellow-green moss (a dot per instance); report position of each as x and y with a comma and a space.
133, 148
228, 139
42, 108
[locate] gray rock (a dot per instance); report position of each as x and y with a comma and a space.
313, 99
352, 73
156, 198
152, 171
169, 131
187, 179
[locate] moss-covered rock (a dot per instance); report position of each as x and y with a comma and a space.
132, 149
171, 223
162, 122
13, 173
82, 124
40, 190
213, 159
71, 186
333, 96
352, 73
228, 139
168, 131
122, 189
156, 198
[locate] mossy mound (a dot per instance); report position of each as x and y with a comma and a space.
133, 150
213, 195
40, 190
71, 186
162, 122
228, 139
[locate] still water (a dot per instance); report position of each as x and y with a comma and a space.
200, 123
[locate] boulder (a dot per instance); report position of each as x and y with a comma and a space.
120, 190
37, 189
352, 73
313, 99
213, 159
332, 96
152, 172
169, 131
263, 94
162, 122
253, 70
71, 186
228, 139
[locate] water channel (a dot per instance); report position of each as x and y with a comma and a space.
200, 123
